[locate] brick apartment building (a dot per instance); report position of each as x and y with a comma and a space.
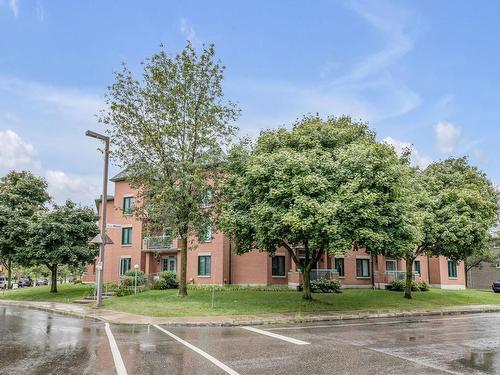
213, 262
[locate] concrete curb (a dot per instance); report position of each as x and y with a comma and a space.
114, 317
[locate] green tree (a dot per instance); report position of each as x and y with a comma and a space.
60, 237
453, 207
21, 195
322, 187
170, 130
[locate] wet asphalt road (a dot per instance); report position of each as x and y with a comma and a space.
36, 342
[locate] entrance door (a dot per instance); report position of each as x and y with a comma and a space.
169, 263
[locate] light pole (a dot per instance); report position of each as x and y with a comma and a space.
100, 266
136, 267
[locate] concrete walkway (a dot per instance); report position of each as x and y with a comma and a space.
116, 317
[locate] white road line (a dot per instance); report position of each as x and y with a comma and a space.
216, 362
416, 361
117, 357
276, 336
343, 325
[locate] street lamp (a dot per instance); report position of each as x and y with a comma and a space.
104, 201
136, 267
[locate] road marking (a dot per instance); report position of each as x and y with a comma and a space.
216, 362
416, 361
117, 357
276, 336
342, 325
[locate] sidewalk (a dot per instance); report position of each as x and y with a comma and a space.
116, 317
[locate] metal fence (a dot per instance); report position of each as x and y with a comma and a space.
323, 273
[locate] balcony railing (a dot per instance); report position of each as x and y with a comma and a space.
399, 275
159, 243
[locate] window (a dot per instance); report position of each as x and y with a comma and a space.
169, 263
390, 266
128, 204
124, 266
207, 198
339, 266
452, 269
497, 265
278, 265
362, 267
416, 267
127, 236
207, 235
204, 265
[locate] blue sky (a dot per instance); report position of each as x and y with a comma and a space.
421, 73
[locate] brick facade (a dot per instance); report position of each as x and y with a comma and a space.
360, 270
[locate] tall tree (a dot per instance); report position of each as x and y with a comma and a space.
453, 206
21, 195
60, 237
322, 187
170, 130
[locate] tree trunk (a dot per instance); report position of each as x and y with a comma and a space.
409, 277
53, 282
182, 279
306, 283
9, 273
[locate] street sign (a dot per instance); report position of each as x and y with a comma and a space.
111, 226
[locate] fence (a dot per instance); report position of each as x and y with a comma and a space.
323, 273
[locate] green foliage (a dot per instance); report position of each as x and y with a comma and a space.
324, 285
60, 237
169, 131
21, 196
422, 286
323, 186
399, 286
129, 279
124, 290
170, 279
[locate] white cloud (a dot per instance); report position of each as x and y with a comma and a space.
14, 7
65, 101
447, 136
63, 186
40, 11
15, 153
417, 159
188, 31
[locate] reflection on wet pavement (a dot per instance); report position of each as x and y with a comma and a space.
36, 342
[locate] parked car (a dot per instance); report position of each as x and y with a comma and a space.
496, 286
3, 282
41, 281
25, 281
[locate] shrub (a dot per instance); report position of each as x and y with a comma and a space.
170, 279
77, 281
124, 290
423, 286
160, 284
397, 285
324, 285
130, 277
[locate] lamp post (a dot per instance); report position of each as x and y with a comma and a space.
100, 266
136, 267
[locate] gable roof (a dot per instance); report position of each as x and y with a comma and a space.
119, 177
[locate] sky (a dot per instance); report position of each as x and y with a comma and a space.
422, 74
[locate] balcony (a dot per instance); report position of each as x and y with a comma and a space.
159, 243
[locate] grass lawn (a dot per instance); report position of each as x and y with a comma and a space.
66, 293
165, 303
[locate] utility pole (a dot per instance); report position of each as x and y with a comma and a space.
104, 202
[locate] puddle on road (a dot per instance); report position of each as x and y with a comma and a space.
487, 361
